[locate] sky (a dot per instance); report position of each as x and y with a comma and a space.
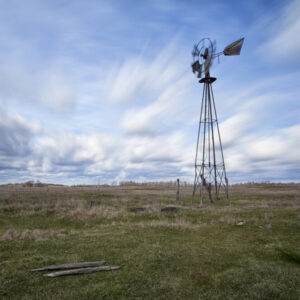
102, 91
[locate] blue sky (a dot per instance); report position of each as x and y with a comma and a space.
103, 90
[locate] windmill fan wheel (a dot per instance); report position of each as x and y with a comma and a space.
203, 54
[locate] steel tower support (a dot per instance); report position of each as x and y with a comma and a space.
210, 173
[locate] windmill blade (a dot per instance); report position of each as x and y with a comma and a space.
234, 48
199, 71
214, 48
196, 66
195, 51
212, 54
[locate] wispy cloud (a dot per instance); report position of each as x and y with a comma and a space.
137, 77
160, 114
283, 42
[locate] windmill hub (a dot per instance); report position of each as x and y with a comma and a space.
210, 173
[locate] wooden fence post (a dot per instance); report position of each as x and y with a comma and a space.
177, 193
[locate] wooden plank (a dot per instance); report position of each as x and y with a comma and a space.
70, 266
81, 271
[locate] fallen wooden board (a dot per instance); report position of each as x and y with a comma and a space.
70, 266
81, 271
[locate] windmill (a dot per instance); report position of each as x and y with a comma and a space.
210, 173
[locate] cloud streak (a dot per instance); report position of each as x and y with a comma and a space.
283, 43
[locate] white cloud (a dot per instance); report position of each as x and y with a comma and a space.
16, 134
137, 77
284, 43
70, 149
270, 152
92, 154
161, 114
235, 127
160, 156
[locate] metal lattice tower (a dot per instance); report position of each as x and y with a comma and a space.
210, 173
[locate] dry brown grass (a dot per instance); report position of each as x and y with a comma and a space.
35, 234
178, 223
104, 212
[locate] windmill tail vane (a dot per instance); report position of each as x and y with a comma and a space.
210, 172
234, 48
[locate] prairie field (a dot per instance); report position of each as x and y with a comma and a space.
249, 249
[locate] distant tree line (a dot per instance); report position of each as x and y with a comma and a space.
31, 183
153, 183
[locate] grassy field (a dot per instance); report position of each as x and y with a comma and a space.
191, 253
